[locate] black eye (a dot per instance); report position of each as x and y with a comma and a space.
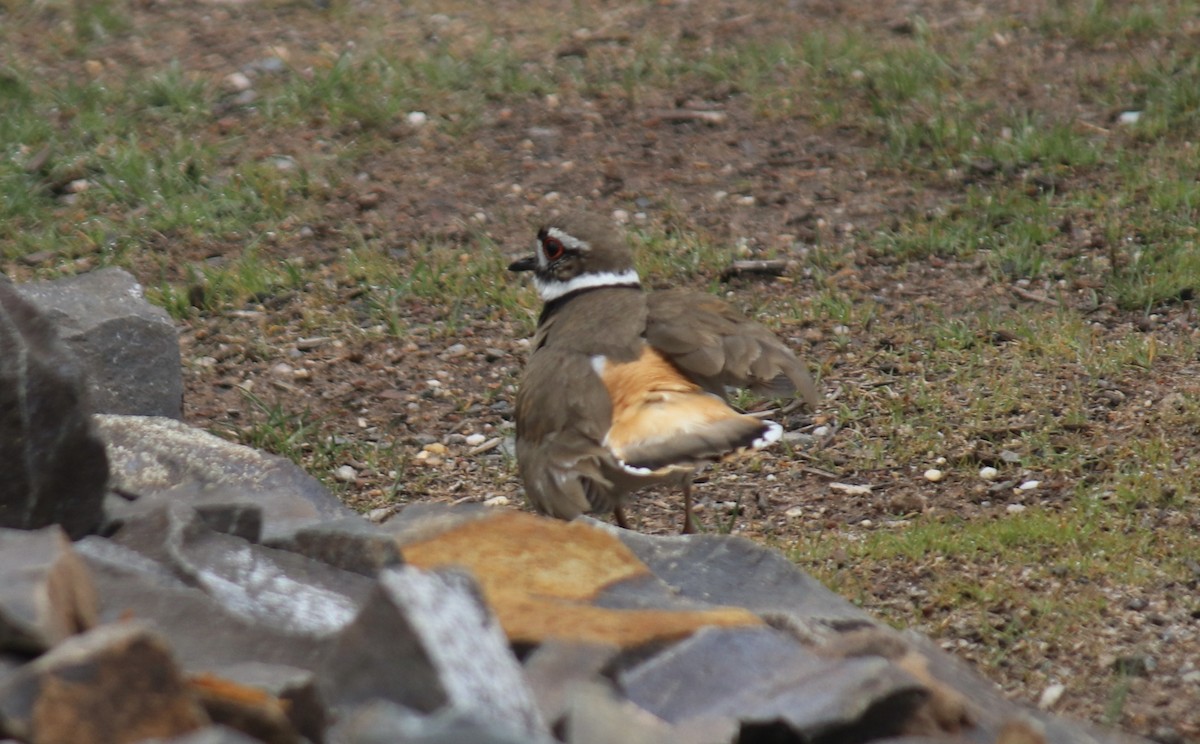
553, 248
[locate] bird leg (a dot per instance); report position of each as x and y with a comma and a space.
619, 515
688, 527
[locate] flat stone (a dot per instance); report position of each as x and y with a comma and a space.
162, 456
542, 577
46, 594
251, 710
771, 685
384, 722
54, 466
114, 684
238, 518
204, 636
208, 735
421, 521
992, 713
129, 347
282, 590
725, 570
555, 666
426, 641
351, 544
295, 687
595, 715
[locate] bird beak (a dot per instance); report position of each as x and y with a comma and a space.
529, 263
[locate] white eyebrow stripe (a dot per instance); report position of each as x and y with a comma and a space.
568, 240
552, 289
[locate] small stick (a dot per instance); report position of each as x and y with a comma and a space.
773, 267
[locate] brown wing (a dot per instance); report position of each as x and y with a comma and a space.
719, 347
562, 414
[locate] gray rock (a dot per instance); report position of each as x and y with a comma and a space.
555, 666
992, 712
46, 594
129, 347
426, 641
297, 688
115, 683
595, 715
351, 544
208, 735
772, 685
204, 636
238, 518
384, 722
734, 571
54, 466
160, 456
421, 521
282, 590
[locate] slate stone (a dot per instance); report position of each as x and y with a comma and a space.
251, 710
296, 687
555, 666
208, 735
421, 521
595, 715
351, 544
725, 570
46, 594
426, 641
114, 684
238, 518
543, 578
129, 347
992, 712
54, 466
152, 455
281, 590
204, 636
384, 722
771, 684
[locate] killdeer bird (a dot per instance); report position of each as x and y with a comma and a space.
625, 388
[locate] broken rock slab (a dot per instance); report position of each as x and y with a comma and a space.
275, 588
204, 636
162, 458
54, 466
129, 347
46, 593
296, 688
114, 684
544, 578
384, 722
351, 544
770, 685
426, 641
734, 571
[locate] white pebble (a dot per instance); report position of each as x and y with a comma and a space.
497, 501
1129, 117
417, 118
933, 475
988, 473
474, 440
1029, 485
794, 513
1014, 508
620, 216
346, 474
237, 82
821, 431
1051, 695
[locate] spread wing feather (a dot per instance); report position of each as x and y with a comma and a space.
719, 347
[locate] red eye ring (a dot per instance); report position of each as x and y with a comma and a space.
553, 248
